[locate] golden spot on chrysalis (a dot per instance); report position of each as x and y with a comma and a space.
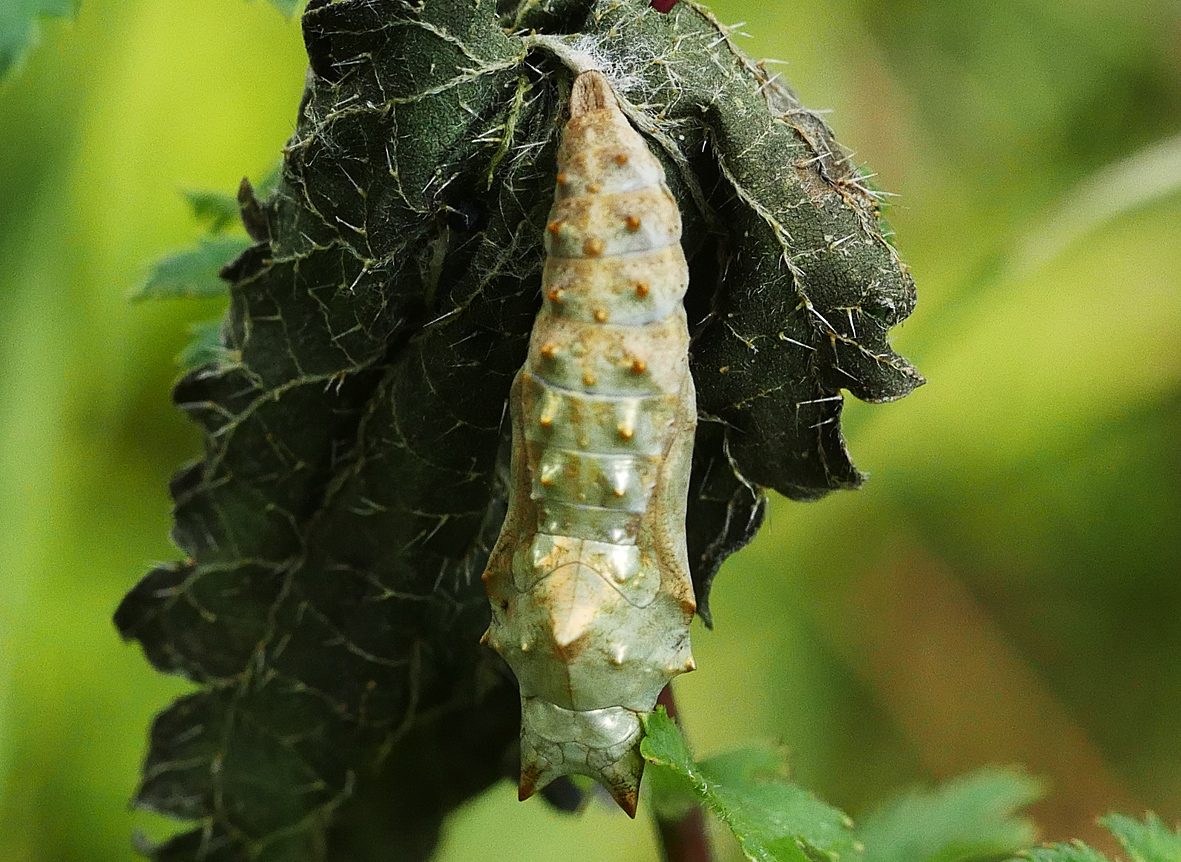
621, 159
546, 481
549, 350
593, 247
601, 315
639, 366
526, 646
546, 420
555, 227
555, 295
633, 223
593, 188
563, 180
642, 289
588, 379
626, 432
690, 664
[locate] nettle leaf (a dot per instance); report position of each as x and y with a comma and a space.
192, 273
975, 818
19, 26
205, 346
196, 272
287, 7
1076, 852
1149, 840
773, 819
216, 210
329, 604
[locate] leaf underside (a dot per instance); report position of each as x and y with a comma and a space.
329, 604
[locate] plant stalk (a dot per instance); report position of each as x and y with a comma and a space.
683, 839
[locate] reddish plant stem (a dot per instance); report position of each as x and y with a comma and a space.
683, 839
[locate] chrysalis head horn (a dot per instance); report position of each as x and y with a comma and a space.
591, 93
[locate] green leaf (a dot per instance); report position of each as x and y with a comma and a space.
205, 345
1150, 841
773, 819
216, 210
19, 26
1147, 841
974, 818
193, 272
287, 7
1075, 852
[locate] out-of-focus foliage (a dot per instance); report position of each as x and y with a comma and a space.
193, 272
19, 26
1012, 594
1149, 840
287, 7
975, 818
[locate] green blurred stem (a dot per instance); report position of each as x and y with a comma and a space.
682, 839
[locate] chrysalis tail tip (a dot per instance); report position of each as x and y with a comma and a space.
528, 784
627, 798
603, 744
625, 790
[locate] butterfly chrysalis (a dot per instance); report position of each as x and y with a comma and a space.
589, 579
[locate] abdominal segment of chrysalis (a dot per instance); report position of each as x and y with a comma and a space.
589, 580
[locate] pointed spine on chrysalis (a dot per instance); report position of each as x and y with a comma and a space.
589, 580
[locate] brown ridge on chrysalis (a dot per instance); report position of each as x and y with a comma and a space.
589, 580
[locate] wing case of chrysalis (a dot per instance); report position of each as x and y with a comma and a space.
589, 579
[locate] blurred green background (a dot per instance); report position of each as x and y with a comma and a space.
1005, 589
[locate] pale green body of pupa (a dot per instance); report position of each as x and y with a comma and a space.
589, 580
